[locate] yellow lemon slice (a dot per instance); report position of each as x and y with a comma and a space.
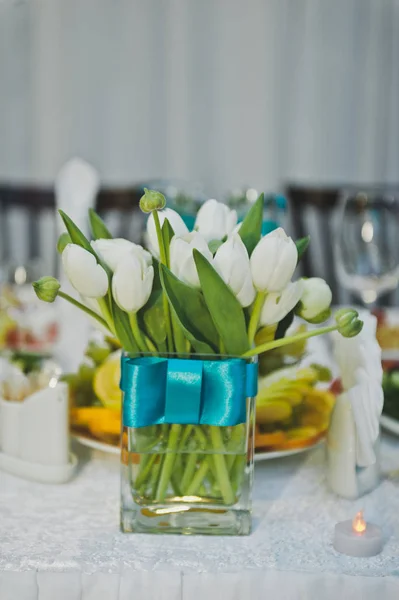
106, 384
273, 411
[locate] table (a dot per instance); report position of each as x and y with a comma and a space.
63, 541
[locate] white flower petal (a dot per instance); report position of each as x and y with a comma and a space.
178, 225
273, 261
85, 274
215, 220
132, 283
278, 305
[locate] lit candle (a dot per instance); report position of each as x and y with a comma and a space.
358, 538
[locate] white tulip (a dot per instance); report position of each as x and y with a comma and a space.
215, 220
278, 305
112, 251
316, 298
178, 225
231, 261
182, 262
85, 274
132, 282
273, 261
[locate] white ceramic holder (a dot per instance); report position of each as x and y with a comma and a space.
34, 436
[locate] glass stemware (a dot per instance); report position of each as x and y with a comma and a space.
367, 243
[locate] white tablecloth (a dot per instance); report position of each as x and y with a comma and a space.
63, 542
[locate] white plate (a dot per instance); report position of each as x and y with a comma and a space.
96, 444
282, 453
390, 424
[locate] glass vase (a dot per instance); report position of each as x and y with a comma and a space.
188, 478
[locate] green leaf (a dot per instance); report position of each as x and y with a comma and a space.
123, 329
251, 228
98, 227
214, 245
190, 310
167, 234
152, 316
284, 324
75, 233
226, 312
302, 245
63, 241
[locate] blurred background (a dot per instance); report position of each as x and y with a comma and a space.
225, 99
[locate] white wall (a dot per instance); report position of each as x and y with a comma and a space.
226, 92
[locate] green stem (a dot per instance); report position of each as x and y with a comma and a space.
178, 336
152, 347
158, 229
162, 253
223, 478
167, 467
188, 472
237, 471
103, 304
146, 465
288, 340
197, 480
184, 438
169, 334
254, 320
154, 476
136, 332
85, 309
235, 444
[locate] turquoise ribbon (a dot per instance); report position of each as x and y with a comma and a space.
187, 391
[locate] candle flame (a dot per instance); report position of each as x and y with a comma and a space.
358, 523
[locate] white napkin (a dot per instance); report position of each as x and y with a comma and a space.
359, 360
367, 399
76, 187
362, 351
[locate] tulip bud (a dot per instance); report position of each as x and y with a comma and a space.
349, 324
182, 262
278, 305
178, 225
231, 261
132, 282
111, 251
215, 220
46, 288
273, 261
63, 241
152, 200
315, 301
85, 274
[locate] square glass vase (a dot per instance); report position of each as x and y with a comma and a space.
188, 479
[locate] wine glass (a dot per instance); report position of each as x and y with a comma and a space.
367, 243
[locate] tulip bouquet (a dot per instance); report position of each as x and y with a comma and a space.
204, 295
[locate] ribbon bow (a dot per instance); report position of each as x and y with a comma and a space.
187, 391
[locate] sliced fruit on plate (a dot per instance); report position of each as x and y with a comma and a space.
82, 417
106, 382
273, 411
300, 437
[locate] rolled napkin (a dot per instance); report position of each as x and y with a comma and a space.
354, 429
362, 351
366, 399
76, 187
